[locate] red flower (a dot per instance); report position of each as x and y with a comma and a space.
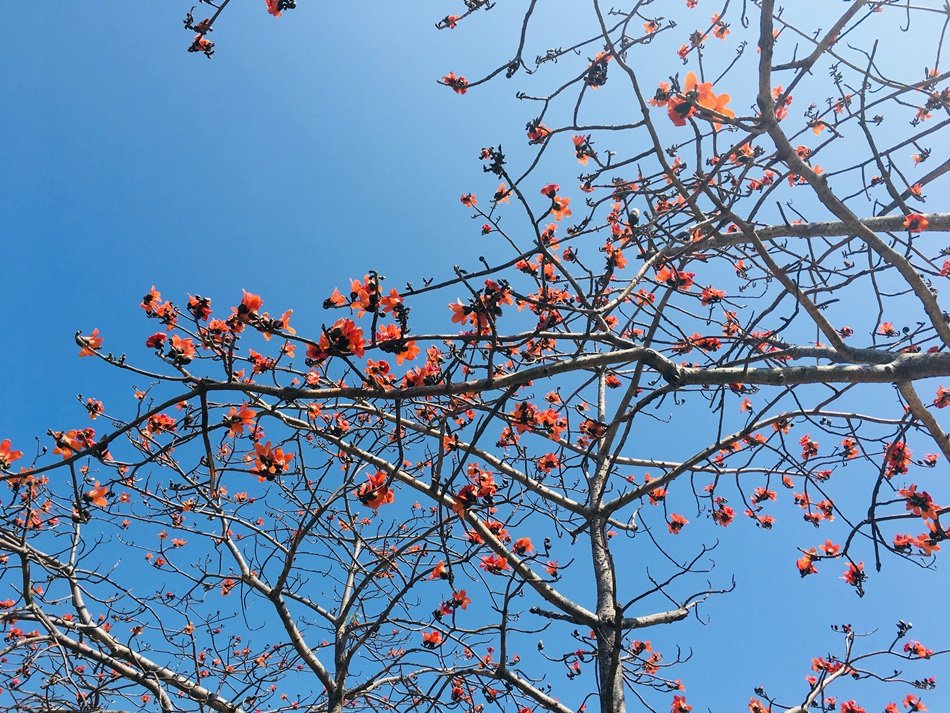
943, 397
897, 459
273, 7
469, 199
156, 341
915, 222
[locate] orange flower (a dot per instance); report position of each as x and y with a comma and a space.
91, 344
680, 705
151, 298
724, 515
344, 338
830, 548
97, 496
200, 307
921, 504
582, 148
560, 208
389, 339
915, 648
469, 199
336, 299
249, 307
270, 461
182, 351
806, 563
493, 564
503, 194
237, 421
7, 455
710, 296
675, 278
537, 132
273, 7
202, 44
676, 523
523, 545
439, 571
374, 492
720, 28
460, 599
431, 639
696, 94
459, 84
73, 441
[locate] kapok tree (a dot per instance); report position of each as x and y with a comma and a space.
382, 516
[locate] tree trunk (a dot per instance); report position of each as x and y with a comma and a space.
609, 634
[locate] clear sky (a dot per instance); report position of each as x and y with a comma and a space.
311, 148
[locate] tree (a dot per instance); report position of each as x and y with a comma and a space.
382, 516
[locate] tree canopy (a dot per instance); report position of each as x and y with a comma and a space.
461, 493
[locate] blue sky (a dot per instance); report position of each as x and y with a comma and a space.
310, 149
